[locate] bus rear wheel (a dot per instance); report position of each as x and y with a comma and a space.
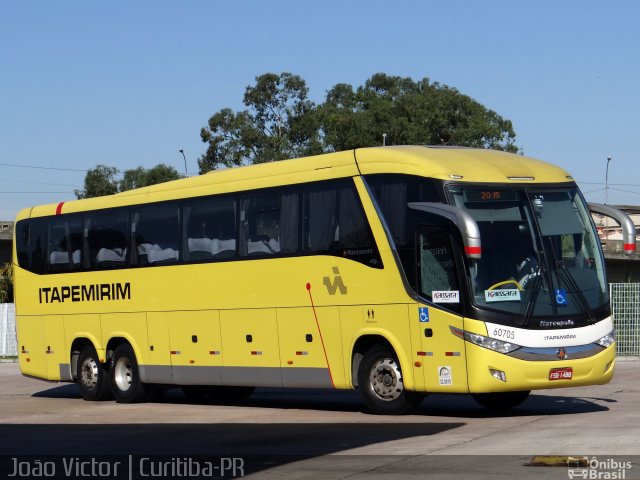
381, 386
125, 376
501, 401
92, 377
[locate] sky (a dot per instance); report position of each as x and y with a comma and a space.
129, 84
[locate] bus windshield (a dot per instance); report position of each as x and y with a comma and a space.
540, 252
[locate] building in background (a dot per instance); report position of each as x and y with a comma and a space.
6, 237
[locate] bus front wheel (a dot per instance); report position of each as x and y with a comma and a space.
501, 401
93, 377
381, 386
125, 376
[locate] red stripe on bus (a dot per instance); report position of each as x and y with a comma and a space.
59, 208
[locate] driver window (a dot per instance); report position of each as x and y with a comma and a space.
436, 264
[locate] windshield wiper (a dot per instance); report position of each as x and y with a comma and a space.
536, 285
571, 283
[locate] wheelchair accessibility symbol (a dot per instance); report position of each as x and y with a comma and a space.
424, 314
561, 296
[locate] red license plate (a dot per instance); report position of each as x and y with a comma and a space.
561, 373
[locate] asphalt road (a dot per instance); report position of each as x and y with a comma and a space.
323, 434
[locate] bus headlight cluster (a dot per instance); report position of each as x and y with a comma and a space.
608, 340
485, 342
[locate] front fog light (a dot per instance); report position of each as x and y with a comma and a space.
499, 374
607, 340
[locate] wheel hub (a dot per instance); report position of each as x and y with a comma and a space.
386, 379
123, 374
89, 374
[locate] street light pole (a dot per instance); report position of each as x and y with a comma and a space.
185, 161
606, 182
606, 197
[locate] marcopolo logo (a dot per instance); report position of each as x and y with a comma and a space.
510, 295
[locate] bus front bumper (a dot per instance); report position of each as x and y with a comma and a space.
490, 371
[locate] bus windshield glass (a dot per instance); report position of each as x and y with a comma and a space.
540, 252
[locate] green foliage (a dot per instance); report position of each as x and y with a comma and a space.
99, 181
281, 122
6, 283
141, 177
103, 180
409, 113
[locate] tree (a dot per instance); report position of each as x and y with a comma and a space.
6, 283
409, 112
102, 180
141, 177
280, 123
99, 181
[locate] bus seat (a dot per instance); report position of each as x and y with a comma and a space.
107, 256
158, 254
200, 248
263, 246
223, 248
58, 258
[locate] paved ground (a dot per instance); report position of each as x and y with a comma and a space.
325, 434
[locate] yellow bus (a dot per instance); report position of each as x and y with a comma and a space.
398, 271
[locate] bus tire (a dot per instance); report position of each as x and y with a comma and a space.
125, 376
93, 376
381, 386
501, 401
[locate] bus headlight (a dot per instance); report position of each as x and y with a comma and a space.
485, 342
607, 340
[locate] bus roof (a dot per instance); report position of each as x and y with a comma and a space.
461, 164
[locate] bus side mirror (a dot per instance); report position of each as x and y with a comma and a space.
628, 228
461, 219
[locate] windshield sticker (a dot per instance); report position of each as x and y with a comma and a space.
444, 374
451, 296
423, 314
510, 295
561, 296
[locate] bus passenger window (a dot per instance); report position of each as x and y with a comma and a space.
156, 234
107, 237
210, 229
436, 264
260, 225
335, 224
65, 245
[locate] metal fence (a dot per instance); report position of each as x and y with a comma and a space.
625, 304
8, 343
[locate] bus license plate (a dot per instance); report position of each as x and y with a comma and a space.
561, 373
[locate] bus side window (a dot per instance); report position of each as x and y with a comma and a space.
30, 244
64, 253
155, 232
209, 229
436, 263
269, 222
107, 239
335, 223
